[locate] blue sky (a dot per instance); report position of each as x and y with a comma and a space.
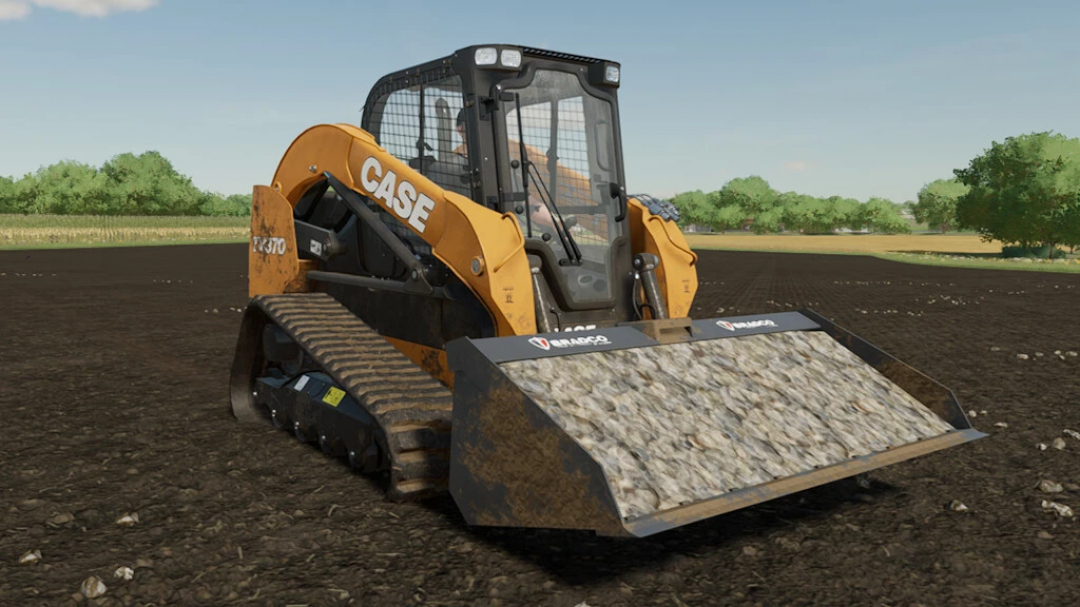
855, 99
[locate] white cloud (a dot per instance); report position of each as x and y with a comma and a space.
17, 9
12, 11
796, 166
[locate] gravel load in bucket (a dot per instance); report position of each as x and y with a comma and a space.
680, 423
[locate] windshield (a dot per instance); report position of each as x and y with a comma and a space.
568, 139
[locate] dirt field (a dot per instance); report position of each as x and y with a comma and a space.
846, 243
115, 402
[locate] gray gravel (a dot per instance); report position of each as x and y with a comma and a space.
680, 423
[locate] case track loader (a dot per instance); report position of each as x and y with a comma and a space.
460, 295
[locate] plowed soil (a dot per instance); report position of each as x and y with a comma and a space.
114, 401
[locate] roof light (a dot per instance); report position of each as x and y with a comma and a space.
511, 57
611, 74
486, 56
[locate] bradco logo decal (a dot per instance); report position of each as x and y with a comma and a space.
570, 342
410, 207
540, 342
752, 324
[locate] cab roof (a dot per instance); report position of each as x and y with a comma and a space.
539, 52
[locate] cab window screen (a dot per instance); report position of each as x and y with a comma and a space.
447, 162
418, 125
398, 129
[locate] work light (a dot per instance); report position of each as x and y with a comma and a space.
604, 73
511, 57
486, 56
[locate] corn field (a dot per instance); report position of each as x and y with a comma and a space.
44, 230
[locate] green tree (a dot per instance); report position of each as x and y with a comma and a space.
751, 194
795, 209
720, 214
768, 222
148, 184
937, 203
880, 215
69, 188
784, 203
1071, 221
892, 224
843, 212
24, 195
1025, 191
7, 195
694, 209
237, 205
728, 218
809, 215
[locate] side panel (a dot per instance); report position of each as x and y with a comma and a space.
485, 249
273, 265
677, 273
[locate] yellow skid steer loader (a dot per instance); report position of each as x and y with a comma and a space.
460, 295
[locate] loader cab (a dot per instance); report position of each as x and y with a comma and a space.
541, 141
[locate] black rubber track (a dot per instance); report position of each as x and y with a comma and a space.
411, 408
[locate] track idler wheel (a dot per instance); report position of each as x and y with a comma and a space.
330, 447
278, 419
366, 460
302, 433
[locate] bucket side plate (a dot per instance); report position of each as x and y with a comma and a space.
512, 465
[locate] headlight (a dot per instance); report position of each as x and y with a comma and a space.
511, 57
486, 56
604, 73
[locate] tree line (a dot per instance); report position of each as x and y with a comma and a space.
128, 184
1023, 191
750, 203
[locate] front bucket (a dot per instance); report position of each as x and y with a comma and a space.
611, 431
